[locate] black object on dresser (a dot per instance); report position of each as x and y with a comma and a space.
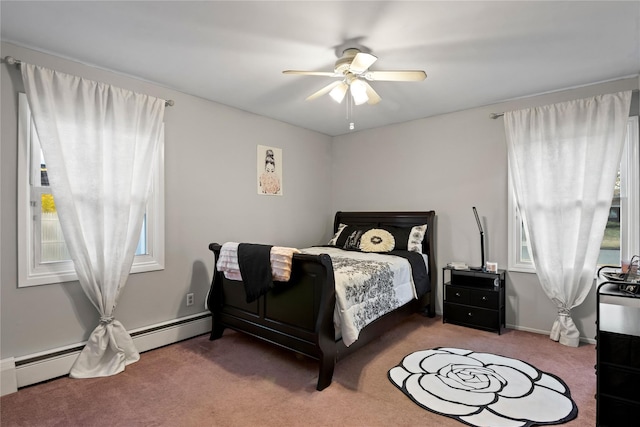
617, 357
474, 298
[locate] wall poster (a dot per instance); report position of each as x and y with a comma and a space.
269, 170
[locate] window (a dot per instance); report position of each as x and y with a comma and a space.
622, 235
43, 257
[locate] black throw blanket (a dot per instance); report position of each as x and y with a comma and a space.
418, 270
255, 267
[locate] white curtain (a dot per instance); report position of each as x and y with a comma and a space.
99, 144
564, 160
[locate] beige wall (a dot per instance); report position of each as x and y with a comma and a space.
210, 196
451, 163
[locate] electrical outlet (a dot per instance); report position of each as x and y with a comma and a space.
189, 299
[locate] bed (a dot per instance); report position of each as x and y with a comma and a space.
299, 314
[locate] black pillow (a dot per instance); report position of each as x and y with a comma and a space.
400, 234
334, 239
407, 238
349, 237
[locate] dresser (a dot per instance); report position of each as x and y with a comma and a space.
617, 357
474, 298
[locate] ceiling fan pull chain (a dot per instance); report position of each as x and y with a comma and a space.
346, 106
350, 114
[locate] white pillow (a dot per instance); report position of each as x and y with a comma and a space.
377, 240
415, 238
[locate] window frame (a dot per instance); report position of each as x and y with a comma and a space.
629, 206
32, 272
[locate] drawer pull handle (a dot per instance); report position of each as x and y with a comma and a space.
457, 294
470, 315
484, 298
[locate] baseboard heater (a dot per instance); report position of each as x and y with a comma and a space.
35, 368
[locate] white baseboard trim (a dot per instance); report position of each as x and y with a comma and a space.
8, 382
35, 368
525, 329
169, 332
540, 331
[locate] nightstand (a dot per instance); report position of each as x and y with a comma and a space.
474, 298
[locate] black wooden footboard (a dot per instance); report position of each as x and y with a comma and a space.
297, 315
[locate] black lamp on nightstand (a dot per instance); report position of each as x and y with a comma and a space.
482, 266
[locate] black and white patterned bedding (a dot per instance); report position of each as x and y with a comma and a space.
368, 285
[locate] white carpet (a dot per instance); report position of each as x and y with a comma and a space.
483, 389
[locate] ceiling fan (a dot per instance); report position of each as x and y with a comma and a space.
353, 69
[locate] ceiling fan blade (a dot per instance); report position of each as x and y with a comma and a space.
324, 90
361, 62
374, 98
312, 73
396, 76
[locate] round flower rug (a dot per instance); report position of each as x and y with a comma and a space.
483, 389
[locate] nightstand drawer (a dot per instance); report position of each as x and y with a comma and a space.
484, 299
476, 297
472, 316
619, 349
619, 382
457, 295
614, 412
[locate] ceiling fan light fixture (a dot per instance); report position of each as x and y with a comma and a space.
338, 92
353, 68
359, 92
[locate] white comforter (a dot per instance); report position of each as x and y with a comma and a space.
368, 285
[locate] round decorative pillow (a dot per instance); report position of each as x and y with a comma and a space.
377, 240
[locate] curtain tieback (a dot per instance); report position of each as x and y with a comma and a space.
563, 311
105, 320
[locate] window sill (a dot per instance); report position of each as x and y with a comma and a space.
522, 269
48, 277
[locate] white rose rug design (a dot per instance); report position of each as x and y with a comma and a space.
483, 389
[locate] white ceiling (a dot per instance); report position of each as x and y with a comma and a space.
475, 53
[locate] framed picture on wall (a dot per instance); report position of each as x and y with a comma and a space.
269, 168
